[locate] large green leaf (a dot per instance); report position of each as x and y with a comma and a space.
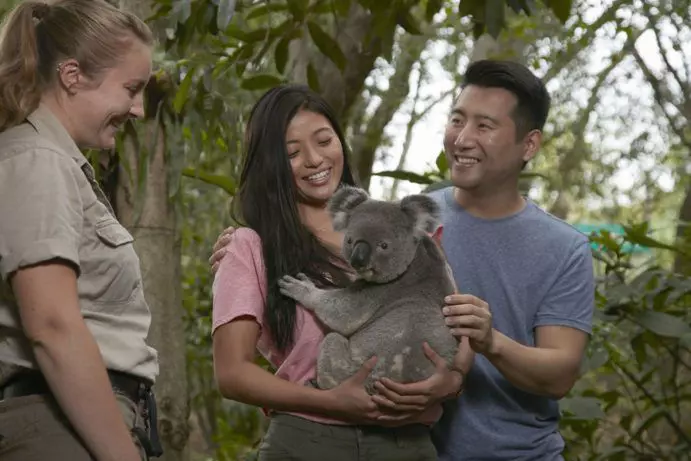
226, 10
582, 407
263, 10
223, 182
327, 45
637, 235
408, 22
561, 8
298, 8
494, 17
442, 163
663, 324
432, 8
182, 94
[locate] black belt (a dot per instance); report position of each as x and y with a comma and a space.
33, 383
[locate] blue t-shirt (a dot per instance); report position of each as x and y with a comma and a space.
533, 270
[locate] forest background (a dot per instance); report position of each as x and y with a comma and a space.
615, 163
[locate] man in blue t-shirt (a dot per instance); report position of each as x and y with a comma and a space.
526, 277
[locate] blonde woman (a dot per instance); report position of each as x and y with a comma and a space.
75, 370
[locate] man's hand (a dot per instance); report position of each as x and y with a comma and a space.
219, 249
470, 316
401, 402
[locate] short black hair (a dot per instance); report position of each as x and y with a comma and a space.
534, 101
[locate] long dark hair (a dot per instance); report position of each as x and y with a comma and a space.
268, 203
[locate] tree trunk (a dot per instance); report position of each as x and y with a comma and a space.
365, 146
144, 207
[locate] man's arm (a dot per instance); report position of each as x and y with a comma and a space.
561, 328
550, 369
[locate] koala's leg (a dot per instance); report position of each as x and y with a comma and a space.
335, 363
339, 309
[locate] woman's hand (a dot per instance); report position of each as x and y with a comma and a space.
404, 401
351, 401
219, 248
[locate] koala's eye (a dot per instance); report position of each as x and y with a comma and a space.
349, 240
383, 245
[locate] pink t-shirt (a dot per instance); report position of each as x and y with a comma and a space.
239, 289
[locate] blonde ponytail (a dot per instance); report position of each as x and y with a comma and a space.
37, 36
19, 62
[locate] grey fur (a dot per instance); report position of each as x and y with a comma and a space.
395, 304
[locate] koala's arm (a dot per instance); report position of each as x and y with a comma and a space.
343, 310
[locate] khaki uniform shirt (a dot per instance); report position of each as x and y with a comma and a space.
48, 210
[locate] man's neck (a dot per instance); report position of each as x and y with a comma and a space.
490, 205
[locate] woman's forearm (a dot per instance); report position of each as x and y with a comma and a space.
75, 372
70, 359
253, 385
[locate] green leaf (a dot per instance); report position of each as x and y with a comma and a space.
582, 407
405, 176
182, 9
470, 8
281, 54
442, 163
638, 346
223, 182
298, 8
260, 82
341, 7
663, 324
282, 51
327, 45
637, 235
226, 10
409, 23
685, 341
313, 78
560, 8
263, 10
432, 8
494, 17
648, 421
182, 94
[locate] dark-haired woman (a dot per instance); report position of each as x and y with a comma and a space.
295, 159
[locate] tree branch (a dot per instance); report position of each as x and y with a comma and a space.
573, 49
365, 146
662, 96
654, 23
570, 163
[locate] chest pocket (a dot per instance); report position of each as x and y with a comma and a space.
110, 273
113, 234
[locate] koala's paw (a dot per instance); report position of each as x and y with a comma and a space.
300, 289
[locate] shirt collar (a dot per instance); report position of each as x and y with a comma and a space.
46, 124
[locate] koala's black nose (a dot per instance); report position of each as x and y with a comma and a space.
360, 255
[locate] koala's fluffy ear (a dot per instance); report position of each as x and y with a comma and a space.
424, 210
342, 203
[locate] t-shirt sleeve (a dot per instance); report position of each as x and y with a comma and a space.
239, 287
41, 210
571, 300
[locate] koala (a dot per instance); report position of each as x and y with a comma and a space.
394, 304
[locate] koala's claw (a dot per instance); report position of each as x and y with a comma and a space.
297, 288
304, 278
